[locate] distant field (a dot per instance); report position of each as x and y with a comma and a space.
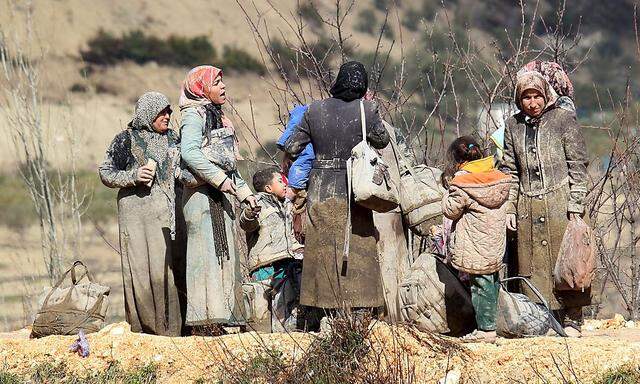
23, 277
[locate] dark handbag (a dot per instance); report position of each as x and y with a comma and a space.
81, 306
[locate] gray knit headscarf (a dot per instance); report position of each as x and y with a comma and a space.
147, 144
147, 108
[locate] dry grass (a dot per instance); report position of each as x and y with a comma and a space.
187, 359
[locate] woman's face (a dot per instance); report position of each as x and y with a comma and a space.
161, 122
217, 93
532, 102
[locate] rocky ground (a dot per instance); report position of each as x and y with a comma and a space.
607, 344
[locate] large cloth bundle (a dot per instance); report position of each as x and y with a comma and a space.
433, 298
66, 311
421, 198
256, 305
576, 261
368, 176
517, 316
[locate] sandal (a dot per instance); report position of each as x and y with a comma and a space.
478, 336
572, 329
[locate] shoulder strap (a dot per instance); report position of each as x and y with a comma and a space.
347, 230
363, 121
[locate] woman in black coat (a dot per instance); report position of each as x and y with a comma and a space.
333, 126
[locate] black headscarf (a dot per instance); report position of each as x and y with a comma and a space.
351, 83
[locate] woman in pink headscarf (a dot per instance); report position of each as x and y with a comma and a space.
209, 154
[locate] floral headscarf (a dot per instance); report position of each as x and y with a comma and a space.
553, 74
197, 84
534, 80
194, 89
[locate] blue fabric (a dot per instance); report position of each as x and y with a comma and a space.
498, 139
263, 273
299, 172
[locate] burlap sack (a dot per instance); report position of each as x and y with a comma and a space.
433, 298
81, 306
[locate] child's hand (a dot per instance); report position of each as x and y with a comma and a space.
250, 213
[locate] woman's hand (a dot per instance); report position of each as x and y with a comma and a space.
228, 186
251, 202
512, 221
144, 175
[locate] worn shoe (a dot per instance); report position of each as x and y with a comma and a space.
479, 336
572, 331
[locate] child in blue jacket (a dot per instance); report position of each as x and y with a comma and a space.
299, 171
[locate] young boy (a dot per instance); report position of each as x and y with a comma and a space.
274, 253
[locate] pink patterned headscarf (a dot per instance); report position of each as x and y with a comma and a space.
197, 84
553, 73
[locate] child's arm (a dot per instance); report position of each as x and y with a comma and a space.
454, 203
249, 220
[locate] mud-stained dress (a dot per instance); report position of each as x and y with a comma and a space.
146, 218
548, 160
333, 127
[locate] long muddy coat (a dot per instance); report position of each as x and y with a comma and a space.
548, 161
148, 252
333, 127
214, 282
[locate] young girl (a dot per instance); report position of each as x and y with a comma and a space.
475, 202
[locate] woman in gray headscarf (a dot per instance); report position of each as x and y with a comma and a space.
142, 162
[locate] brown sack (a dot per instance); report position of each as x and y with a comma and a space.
65, 311
576, 261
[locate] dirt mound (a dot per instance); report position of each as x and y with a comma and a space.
187, 359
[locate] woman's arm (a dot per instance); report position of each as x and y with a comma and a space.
191, 131
509, 165
575, 151
113, 170
242, 188
377, 134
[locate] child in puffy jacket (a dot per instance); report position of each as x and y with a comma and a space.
274, 254
475, 202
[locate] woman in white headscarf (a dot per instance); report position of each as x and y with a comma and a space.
142, 161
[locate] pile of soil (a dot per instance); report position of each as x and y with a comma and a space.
606, 345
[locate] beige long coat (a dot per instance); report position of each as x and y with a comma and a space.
548, 161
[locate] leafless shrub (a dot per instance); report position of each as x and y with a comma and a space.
56, 197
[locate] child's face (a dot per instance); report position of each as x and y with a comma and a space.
277, 187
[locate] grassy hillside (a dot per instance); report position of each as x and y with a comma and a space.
97, 99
